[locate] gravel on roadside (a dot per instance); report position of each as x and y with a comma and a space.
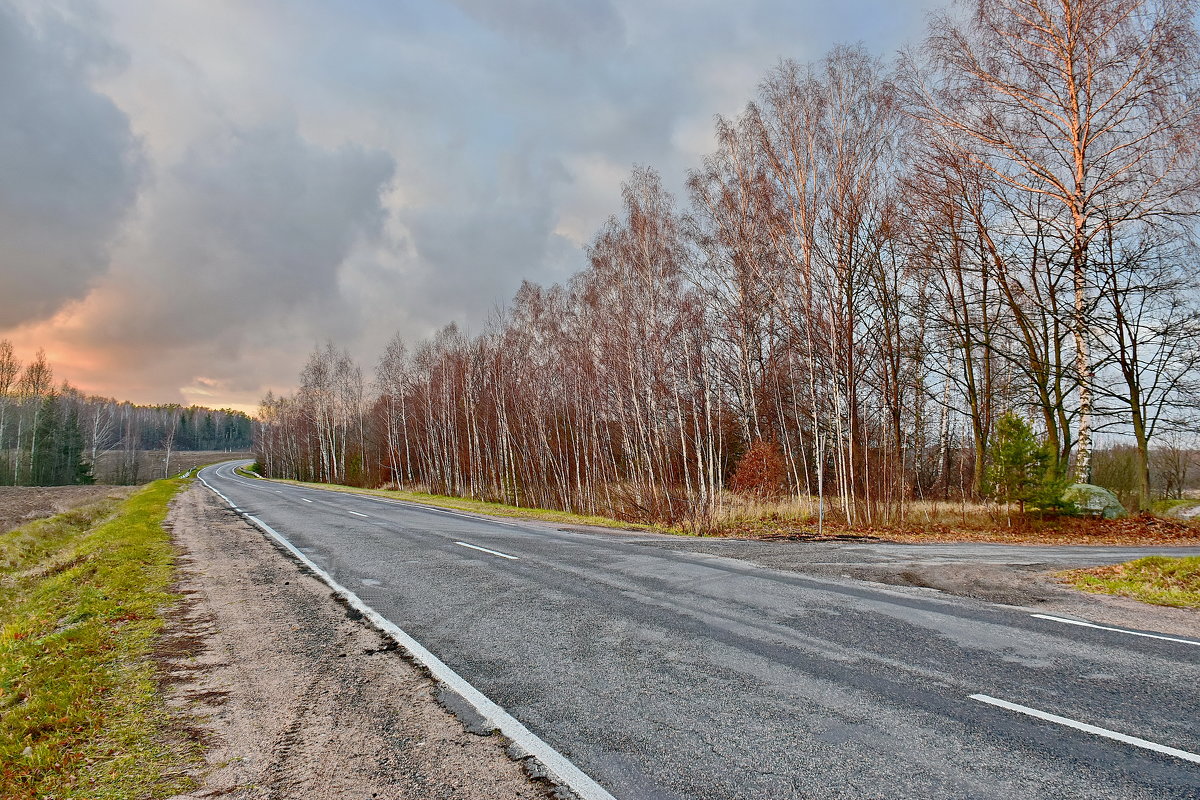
290, 698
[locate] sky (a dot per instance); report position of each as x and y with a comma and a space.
194, 194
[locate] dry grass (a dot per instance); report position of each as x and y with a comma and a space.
734, 511
926, 521
795, 518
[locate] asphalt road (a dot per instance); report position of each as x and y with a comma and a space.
667, 674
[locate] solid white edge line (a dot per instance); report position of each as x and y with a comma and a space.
1115, 630
447, 512
561, 769
434, 509
485, 550
419, 507
407, 504
1086, 728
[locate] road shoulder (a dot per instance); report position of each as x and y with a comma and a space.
1019, 576
291, 697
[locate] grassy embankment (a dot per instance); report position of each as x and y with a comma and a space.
1161, 580
1172, 506
81, 600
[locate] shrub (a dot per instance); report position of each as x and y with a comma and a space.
761, 472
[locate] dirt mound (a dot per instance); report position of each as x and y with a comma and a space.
21, 504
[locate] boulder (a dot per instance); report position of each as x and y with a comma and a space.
1094, 500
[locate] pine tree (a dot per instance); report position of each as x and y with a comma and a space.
208, 438
185, 438
57, 459
1022, 467
75, 469
42, 470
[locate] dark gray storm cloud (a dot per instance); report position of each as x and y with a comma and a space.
69, 164
252, 225
194, 194
240, 253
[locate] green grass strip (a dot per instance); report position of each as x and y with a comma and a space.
1161, 580
81, 601
1167, 505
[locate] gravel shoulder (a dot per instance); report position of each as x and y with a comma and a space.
293, 699
1014, 575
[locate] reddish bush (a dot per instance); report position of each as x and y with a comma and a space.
761, 471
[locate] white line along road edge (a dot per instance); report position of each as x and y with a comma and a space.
1117, 630
1083, 726
562, 770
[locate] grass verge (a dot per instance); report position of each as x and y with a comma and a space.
81, 601
1161, 580
1168, 506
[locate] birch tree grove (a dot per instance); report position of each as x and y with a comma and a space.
876, 264
1088, 105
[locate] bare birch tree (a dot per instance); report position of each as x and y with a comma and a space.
1082, 102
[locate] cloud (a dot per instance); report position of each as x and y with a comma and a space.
196, 194
240, 250
250, 227
590, 25
71, 166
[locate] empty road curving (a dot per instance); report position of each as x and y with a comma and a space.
664, 673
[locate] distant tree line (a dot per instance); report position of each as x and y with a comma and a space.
878, 264
53, 434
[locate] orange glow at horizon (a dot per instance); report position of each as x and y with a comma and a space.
87, 369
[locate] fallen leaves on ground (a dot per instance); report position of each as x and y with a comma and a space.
1141, 530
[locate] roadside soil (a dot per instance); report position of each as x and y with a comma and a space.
1136, 530
1035, 588
291, 698
21, 504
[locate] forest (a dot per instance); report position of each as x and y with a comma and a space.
53, 434
879, 262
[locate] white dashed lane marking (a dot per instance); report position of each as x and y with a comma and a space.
1086, 728
1083, 624
485, 550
